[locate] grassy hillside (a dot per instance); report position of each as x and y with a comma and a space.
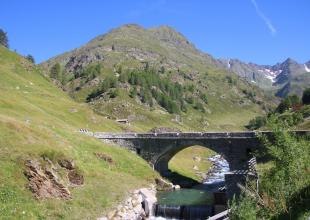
192, 162
36, 119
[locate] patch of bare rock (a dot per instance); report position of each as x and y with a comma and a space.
105, 157
52, 180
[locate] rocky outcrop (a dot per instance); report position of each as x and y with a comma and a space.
52, 180
163, 185
44, 182
138, 206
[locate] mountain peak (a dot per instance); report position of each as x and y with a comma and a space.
290, 61
131, 26
128, 27
165, 28
170, 35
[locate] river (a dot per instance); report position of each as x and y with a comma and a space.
195, 203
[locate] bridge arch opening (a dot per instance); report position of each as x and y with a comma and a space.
192, 165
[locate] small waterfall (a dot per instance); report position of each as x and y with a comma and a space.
168, 211
188, 212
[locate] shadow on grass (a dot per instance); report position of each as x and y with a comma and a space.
183, 181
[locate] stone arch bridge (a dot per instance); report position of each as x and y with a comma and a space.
159, 148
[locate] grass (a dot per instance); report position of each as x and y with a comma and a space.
183, 162
36, 119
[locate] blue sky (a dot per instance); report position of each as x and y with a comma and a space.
260, 31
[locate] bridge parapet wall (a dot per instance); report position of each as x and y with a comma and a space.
188, 135
175, 135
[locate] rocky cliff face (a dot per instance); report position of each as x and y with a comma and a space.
278, 77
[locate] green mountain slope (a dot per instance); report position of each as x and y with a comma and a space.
208, 98
39, 122
296, 85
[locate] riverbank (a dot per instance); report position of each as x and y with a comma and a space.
137, 206
165, 200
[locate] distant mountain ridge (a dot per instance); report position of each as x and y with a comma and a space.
277, 77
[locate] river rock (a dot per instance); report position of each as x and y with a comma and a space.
132, 209
149, 200
162, 184
176, 187
197, 158
111, 214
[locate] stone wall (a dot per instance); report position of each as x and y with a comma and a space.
137, 206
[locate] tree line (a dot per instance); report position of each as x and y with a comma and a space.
149, 87
292, 110
4, 41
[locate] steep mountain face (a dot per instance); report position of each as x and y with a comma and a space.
282, 78
263, 76
156, 77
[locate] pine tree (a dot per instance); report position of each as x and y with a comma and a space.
30, 58
55, 71
4, 41
306, 97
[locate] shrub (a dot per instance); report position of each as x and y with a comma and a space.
94, 94
30, 58
199, 106
256, 123
55, 71
114, 93
291, 156
244, 208
190, 99
284, 188
133, 92
88, 73
109, 82
306, 97
204, 98
288, 103
4, 41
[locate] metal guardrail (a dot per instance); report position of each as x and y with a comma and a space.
222, 215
